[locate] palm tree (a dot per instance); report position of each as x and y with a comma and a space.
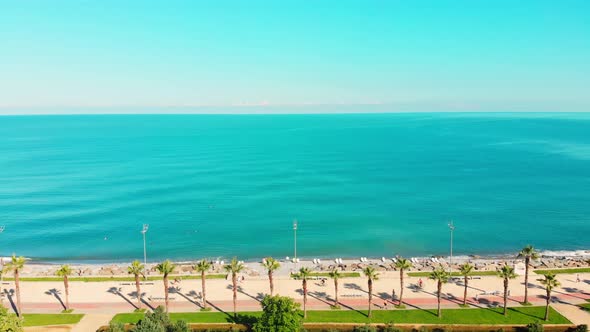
15, 265
271, 264
402, 264
137, 269
371, 275
65, 271
550, 282
506, 273
528, 253
203, 266
304, 273
165, 268
234, 267
465, 271
334, 274
441, 277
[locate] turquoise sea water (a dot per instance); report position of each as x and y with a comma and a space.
80, 187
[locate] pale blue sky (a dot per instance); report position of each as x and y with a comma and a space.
438, 55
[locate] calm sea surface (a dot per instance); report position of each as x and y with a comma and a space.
80, 187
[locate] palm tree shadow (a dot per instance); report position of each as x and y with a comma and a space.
384, 296
320, 296
243, 319
9, 295
354, 287
524, 313
487, 304
56, 293
241, 290
117, 291
177, 290
569, 291
142, 295
447, 296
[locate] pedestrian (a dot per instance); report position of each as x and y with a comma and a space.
577, 278
384, 305
393, 295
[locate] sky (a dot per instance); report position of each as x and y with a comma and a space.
294, 56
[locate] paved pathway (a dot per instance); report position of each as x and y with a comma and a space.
574, 313
91, 322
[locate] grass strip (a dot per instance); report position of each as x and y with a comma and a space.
516, 315
563, 271
51, 319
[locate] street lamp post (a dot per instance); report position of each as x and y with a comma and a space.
451, 228
143, 231
295, 242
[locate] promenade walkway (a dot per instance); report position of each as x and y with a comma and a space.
91, 322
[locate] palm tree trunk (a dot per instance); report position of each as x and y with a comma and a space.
465, 292
438, 292
401, 283
17, 287
304, 298
526, 280
166, 291
203, 289
138, 290
547, 306
270, 281
370, 284
505, 296
336, 292
67, 287
235, 290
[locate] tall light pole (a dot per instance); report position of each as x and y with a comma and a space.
1, 268
295, 242
143, 231
451, 228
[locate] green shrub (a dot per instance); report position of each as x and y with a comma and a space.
179, 326
9, 322
582, 328
279, 314
116, 327
535, 327
148, 324
159, 321
365, 328
390, 328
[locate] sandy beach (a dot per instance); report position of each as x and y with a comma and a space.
547, 260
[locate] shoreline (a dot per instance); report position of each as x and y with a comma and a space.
547, 260
581, 253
